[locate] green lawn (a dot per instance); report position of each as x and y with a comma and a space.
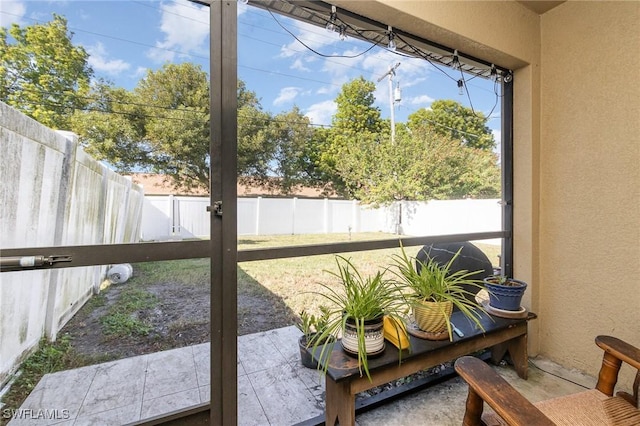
295, 279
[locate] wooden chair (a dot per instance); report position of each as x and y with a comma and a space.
597, 407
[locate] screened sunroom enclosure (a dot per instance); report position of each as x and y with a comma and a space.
222, 246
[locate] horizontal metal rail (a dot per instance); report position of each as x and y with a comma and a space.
110, 254
353, 246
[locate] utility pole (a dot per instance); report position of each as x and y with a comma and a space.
392, 99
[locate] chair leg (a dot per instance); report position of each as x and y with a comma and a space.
473, 411
608, 375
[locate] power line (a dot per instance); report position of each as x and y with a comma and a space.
418, 52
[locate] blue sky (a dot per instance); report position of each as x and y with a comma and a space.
126, 38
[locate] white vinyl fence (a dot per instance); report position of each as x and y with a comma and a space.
53, 194
176, 217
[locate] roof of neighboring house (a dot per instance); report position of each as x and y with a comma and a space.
157, 184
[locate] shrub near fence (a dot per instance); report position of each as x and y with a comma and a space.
53, 194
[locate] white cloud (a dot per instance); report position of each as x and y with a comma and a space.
141, 72
287, 94
343, 63
98, 59
409, 73
321, 112
380, 63
334, 86
12, 12
186, 30
420, 100
314, 37
299, 65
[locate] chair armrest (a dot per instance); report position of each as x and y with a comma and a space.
488, 386
616, 352
620, 349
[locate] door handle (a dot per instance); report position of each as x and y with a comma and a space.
23, 262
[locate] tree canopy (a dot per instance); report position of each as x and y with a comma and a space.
43, 74
162, 126
451, 119
175, 103
423, 163
356, 118
420, 166
111, 127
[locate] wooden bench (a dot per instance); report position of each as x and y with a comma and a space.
343, 380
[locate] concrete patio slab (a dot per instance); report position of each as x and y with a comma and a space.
273, 389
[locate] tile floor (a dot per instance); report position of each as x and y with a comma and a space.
273, 389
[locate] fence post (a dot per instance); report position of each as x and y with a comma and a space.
325, 212
293, 216
171, 219
355, 227
258, 202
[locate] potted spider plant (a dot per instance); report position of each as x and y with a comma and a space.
357, 311
312, 327
433, 289
505, 293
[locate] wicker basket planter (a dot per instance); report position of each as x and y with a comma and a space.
432, 316
432, 290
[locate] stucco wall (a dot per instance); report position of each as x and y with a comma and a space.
576, 155
590, 178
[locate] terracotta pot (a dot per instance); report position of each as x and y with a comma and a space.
432, 316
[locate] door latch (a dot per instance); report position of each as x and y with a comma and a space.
216, 208
15, 262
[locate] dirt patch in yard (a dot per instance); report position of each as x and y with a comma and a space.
155, 311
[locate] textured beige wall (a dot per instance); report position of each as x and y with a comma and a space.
576, 149
589, 179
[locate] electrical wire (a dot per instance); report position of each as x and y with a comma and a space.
92, 109
418, 52
140, 115
315, 51
415, 49
186, 111
558, 376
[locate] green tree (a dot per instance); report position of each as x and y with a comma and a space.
356, 113
294, 158
43, 74
421, 166
111, 128
256, 148
162, 126
451, 119
175, 104
356, 118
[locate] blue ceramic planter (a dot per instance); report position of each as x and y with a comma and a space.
506, 298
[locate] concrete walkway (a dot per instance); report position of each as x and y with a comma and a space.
273, 389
